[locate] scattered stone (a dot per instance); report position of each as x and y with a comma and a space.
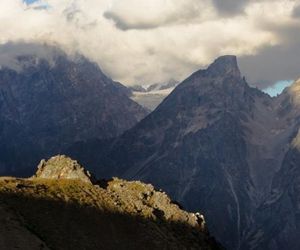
143, 199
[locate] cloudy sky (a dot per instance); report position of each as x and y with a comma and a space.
149, 41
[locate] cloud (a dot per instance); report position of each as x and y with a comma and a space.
230, 7
280, 61
142, 41
16, 56
296, 11
145, 14
275, 63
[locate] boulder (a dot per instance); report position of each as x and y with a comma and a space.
62, 167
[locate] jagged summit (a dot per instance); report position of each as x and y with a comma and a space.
224, 65
210, 139
219, 72
62, 167
50, 100
227, 59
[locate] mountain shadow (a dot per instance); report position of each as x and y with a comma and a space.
62, 208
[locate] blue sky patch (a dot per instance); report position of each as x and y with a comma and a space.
278, 87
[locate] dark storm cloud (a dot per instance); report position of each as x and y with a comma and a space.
188, 11
230, 7
156, 13
296, 12
275, 63
123, 25
271, 64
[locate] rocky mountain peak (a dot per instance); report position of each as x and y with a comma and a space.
69, 96
213, 128
225, 65
62, 167
223, 73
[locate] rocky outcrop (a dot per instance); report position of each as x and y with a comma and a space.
62, 167
60, 209
143, 198
138, 197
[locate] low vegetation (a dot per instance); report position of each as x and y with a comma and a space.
116, 214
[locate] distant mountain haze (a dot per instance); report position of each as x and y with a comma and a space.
150, 97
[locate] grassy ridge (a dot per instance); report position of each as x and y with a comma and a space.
70, 214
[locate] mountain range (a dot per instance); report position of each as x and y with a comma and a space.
214, 144
47, 104
151, 96
217, 145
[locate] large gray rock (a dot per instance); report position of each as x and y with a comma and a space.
62, 167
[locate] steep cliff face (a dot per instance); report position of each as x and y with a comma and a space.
277, 215
216, 138
193, 145
60, 208
46, 105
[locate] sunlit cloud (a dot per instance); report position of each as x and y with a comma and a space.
142, 41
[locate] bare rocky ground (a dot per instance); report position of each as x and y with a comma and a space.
63, 207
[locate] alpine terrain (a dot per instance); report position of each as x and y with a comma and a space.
63, 207
219, 146
49, 102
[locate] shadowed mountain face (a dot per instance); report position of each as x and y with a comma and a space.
58, 209
216, 145
47, 105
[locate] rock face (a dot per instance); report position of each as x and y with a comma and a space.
62, 167
143, 197
277, 216
47, 104
193, 146
60, 209
216, 145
